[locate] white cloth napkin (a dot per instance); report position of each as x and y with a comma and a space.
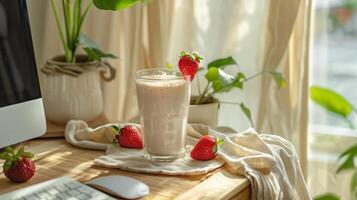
268, 161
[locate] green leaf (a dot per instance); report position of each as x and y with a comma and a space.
331, 101
212, 74
279, 79
222, 62
350, 151
239, 80
92, 49
224, 83
348, 157
347, 164
247, 113
8, 164
327, 196
354, 183
114, 4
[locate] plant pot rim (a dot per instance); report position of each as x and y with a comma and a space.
59, 60
214, 101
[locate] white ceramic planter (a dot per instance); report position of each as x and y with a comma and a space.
204, 113
67, 97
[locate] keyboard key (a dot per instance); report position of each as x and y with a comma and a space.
60, 189
72, 185
83, 197
86, 190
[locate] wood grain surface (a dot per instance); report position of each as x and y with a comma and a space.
55, 158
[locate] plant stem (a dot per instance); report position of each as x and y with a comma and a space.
350, 124
198, 87
199, 99
75, 27
227, 102
84, 14
58, 24
66, 7
254, 76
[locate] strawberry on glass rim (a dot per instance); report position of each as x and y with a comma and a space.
18, 166
189, 64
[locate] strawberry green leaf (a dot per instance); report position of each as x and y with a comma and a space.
28, 155
10, 150
222, 62
197, 56
6, 156
115, 128
219, 141
183, 53
247, 113
20, 151
8, 164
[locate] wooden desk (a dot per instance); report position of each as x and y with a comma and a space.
55, 158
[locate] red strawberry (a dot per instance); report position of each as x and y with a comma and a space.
189, 64
206, 148
18, 166
128, 136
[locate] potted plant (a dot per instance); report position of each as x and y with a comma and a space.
205, 106
338, 105
71, 83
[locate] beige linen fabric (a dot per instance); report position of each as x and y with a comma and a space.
268, 161
79, 134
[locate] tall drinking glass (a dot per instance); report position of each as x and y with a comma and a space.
164, 99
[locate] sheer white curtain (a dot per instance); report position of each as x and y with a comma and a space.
260, 35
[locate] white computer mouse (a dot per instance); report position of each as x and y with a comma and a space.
120, 186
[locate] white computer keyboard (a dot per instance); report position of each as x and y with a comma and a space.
59, 188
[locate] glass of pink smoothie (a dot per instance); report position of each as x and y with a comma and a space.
164, 99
